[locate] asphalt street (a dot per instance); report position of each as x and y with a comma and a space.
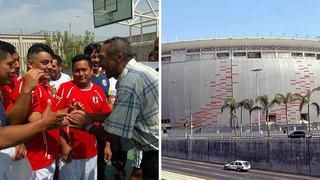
217, 172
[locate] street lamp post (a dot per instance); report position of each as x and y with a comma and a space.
70, 24
190, 110
257, 87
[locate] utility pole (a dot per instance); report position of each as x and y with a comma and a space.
257, 88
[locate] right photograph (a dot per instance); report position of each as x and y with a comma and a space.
240, 89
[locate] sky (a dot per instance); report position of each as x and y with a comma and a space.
51, 15
197, 19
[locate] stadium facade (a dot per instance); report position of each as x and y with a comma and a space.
198, 75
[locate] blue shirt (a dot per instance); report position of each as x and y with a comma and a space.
102, 80
3, 116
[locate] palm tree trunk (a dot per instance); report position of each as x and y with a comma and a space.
250, 125
287, 119
267, 124
241, 123
235, 127
309, 123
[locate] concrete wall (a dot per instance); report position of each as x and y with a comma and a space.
287, 155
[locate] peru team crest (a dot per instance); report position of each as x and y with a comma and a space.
95, 99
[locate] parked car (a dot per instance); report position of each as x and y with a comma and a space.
299, 134
238, 166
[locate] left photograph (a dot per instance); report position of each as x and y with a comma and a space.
79, 90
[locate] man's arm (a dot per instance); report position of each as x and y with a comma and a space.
79, 120
17, 134
97, 117
20, 108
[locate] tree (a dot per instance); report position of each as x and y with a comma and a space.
305, 100
241, 105
232, 105
68, 46
284, 99
266, 105
248, 105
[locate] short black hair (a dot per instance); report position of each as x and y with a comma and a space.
122, 45
92, 47
38, 48
58, 58
81, 57
6, 48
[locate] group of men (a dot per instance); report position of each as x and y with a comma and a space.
69, 125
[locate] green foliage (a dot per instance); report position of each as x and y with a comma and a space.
67, 46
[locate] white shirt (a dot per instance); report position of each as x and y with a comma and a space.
63, 78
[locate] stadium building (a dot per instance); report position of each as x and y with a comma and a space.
198, 75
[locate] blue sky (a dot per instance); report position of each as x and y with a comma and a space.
196, 19
36, 15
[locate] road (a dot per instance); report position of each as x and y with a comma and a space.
216, 172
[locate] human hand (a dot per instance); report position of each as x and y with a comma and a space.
31, 80
51, 119
78, 119
75, 106
53, 91
66, 153
107, 152
20, 152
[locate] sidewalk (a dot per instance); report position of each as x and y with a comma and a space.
167, 175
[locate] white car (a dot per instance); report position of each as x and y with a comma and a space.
238, 165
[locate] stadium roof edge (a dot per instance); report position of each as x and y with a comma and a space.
248, 41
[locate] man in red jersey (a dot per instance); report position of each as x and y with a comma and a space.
81, 163
19, 111
43, 147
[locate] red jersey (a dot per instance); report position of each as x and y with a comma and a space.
84, 145
6, 93
43, 147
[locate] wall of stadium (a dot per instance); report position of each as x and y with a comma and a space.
206, 72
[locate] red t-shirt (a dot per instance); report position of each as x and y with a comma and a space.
84, 145
43, 147
6, 93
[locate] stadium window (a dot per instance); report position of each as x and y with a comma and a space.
178, 50
309, 55
254, 54
296, 55
239, 54
166, 58
318, 56
223, 55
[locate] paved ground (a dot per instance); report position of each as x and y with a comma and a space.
179, 169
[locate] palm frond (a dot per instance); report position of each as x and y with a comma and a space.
317, 107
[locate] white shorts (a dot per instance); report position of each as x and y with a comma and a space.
84, 169
46, 173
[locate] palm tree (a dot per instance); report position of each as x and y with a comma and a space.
242, 104
266, 106
305, 100
232, 105
248, 105
284, 99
